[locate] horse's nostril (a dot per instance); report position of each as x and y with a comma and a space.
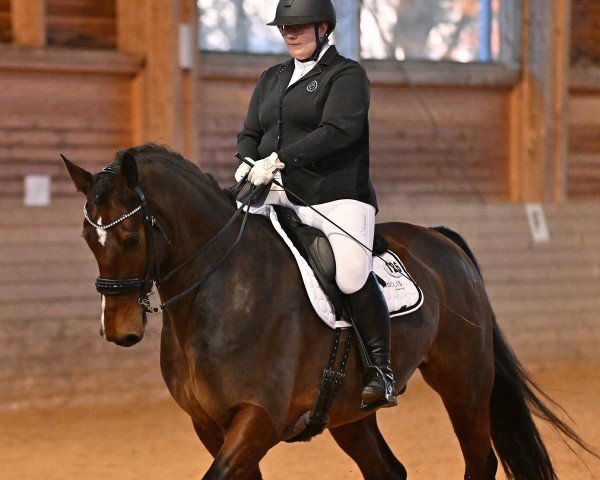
128, 340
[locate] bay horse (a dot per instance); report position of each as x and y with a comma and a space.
243, 353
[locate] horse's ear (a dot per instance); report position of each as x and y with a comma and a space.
129, 169
81, 177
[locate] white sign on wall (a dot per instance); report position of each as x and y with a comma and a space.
537, 222
36, 190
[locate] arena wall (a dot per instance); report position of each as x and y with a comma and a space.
444, 151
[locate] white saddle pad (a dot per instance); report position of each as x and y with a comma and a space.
401, 293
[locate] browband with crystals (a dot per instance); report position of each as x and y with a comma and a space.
111, 224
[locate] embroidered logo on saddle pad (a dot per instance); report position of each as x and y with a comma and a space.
401, 292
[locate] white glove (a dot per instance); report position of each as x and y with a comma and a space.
243, 169
263, 170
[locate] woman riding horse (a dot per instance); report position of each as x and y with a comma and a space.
307, 126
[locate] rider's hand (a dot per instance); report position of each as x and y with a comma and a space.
263, 170
243, 169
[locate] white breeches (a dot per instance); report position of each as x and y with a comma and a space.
353, 261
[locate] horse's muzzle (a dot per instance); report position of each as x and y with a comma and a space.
128, 340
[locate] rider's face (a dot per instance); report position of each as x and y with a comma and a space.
300, 40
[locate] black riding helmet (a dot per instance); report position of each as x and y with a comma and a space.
300, 12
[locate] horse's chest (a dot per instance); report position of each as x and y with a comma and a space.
196, 390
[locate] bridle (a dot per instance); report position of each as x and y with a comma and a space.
125, 286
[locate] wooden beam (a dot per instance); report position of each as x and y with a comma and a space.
164, 122
29, 22
164, 104
131, 21
191, 117
538, 104
131, 26
561, 91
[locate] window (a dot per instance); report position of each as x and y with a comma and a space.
455, 30
239, 26
458, 30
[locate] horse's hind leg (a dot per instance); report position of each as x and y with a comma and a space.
467, 404
363, 442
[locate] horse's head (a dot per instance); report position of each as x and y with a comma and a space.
115, 231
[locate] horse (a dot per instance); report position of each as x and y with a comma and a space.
243, 352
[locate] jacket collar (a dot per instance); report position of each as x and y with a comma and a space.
326, 59
286, 70
329, 55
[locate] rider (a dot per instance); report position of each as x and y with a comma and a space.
307, 126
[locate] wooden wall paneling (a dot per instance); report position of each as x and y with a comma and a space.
50, 318
466, 156
583, 170
585, 27
545, 296
82, 8
87, 117
82, 23
5, 22
28, 21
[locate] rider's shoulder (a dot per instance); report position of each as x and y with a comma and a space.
277, 69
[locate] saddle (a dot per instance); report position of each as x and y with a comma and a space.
315, 248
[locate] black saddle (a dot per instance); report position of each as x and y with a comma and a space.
315, 248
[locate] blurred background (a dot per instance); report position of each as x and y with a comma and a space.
485, 117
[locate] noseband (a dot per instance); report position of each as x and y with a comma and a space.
125, 286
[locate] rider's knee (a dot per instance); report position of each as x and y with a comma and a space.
351, 278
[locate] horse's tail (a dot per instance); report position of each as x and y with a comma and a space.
515, 397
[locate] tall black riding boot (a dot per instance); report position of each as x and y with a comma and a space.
372, 320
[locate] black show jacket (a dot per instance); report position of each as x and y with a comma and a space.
318, 127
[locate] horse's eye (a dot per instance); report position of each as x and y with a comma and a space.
130, 243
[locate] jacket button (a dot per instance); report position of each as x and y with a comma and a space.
295, 159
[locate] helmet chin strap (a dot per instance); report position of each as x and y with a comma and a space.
320, 44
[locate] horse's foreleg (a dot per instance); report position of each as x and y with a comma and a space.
363, 442
213, 444
248, 437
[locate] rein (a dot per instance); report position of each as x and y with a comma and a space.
124, 286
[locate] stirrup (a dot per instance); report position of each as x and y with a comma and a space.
388, 399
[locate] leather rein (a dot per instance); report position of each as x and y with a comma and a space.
125, 286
